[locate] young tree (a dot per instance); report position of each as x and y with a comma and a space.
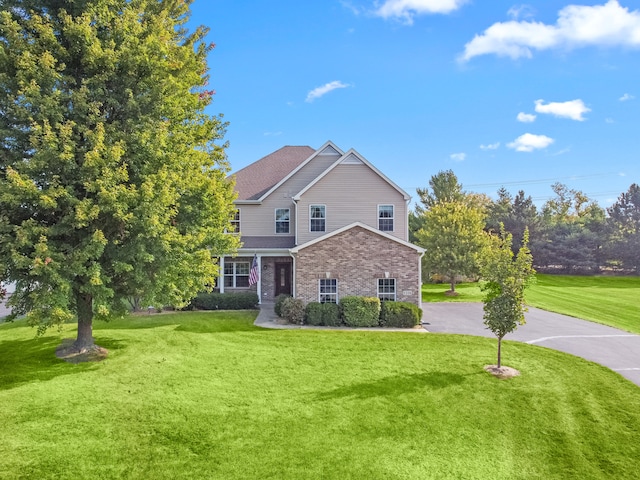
111, 183
505, 279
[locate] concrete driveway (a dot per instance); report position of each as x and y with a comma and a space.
613, 348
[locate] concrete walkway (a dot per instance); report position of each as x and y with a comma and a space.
611, 347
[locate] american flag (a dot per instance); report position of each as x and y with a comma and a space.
254, 276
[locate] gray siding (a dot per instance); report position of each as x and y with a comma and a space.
351, 194
259, 220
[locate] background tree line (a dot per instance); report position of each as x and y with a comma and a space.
570, 233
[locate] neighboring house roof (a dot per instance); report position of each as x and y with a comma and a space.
353, 158
361, 225
256, 242
256, 179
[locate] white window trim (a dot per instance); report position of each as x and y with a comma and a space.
235, 275
325, 218
237, 232
320, 280
395, 288
392, 218
275, 225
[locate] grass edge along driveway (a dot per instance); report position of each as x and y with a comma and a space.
613, 301
209, 395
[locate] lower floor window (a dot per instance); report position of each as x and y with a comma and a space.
236, 274
328, 290
387, 289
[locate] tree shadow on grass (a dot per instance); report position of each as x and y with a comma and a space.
395, 385
25, 361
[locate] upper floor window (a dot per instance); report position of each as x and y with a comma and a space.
387, 289
236, 274
385, 218
234, 224
317, 218
328, 290
283, 216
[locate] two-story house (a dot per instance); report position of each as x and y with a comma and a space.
321, 224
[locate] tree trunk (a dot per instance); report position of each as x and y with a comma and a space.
453, 284
499, 351
84, 304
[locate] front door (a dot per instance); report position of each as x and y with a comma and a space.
283, 278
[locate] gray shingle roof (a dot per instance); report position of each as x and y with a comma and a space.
256, 179
259, 242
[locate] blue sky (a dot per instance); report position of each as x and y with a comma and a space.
508, 94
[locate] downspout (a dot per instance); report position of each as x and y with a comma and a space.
293, 275
420, 279
293, 257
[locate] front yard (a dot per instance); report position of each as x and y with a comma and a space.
208, 395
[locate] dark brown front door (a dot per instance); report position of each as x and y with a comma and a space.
283, 278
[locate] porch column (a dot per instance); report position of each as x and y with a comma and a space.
221, 275
259, 284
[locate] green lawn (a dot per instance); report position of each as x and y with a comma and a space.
613, 301
208, 395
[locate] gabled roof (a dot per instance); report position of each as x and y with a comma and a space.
258, 178
361, 225
352, 158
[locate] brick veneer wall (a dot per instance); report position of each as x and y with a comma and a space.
357, 258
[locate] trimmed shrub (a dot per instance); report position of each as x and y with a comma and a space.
327, 314
360, 311
225, 301
278, 305
400, 315
293, 310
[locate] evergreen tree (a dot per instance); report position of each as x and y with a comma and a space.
624, 220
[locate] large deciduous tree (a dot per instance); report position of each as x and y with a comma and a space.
112, 178
505, 280
451, 228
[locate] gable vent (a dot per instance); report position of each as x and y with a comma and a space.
351, 160
329, 150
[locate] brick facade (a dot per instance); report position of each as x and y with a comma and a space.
357, 258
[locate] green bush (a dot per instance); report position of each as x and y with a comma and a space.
400, 315
225, 301
322, 314
360, 311
278, 305
293, 310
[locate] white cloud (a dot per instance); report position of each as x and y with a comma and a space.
458, 157
324, 89
572, 109
609, 120
521, 11
405, 10
626, 97
526, 117
577, 26
491, 146
530, 142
